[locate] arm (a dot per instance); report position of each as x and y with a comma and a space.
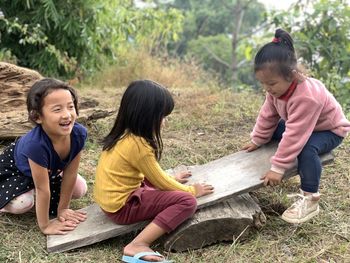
42, 202
68, 182
42, 193
303, 113
303, 116
266, 123
149, 166
151, 169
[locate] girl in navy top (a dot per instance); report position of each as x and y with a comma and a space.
46, 160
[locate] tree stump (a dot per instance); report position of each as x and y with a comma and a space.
230, 220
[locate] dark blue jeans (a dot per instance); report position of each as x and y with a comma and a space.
309, 163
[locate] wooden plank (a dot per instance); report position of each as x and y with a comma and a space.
231, 175
96, 228
238, 173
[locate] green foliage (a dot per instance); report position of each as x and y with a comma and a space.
213, 17
214, 54
206, 48
6, 56
154, 28
322, 38
66, 38
207, 36
47, 35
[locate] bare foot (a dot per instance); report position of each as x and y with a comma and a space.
133, 248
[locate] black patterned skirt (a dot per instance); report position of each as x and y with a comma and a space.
14, 183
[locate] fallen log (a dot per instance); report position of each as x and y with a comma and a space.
229, 220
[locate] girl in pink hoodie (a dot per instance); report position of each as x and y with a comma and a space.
303, 115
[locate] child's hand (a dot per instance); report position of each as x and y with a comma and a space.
203, 189
250, 147
272, 178
182, 176
56, 227
71, 215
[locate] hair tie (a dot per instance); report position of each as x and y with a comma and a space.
276, 40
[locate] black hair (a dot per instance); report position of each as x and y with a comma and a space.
278, 54
38, 92
143, 106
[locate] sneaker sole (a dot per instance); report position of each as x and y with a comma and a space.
301, 220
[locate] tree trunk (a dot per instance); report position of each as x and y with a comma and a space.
238, 13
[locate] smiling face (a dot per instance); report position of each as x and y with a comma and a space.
272, 82
58, 114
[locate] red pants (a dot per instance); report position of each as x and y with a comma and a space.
168, 209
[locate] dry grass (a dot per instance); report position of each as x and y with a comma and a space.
207, 123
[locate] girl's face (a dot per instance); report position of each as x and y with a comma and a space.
58, 113
272, 82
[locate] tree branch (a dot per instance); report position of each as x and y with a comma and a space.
237, 10
214, 56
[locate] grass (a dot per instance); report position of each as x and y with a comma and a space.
207, 123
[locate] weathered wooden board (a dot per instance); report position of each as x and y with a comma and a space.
231, 176
238, 173
96, 228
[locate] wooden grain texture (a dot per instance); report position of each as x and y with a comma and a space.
96, 228
15, 83
225, 221
238, 173
231, 175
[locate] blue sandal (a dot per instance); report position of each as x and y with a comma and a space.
136, 258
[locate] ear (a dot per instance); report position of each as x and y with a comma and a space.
34, 116
299, 76
292, 75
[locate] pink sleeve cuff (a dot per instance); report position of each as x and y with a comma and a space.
277, 169
257, 144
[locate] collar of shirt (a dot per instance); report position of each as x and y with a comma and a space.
289, 91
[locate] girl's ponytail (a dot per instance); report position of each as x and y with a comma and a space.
283, 38
279, 55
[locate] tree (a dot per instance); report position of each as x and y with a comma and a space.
65, 38
214, 28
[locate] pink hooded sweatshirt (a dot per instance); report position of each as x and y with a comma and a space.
311, 107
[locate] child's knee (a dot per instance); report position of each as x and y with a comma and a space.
20, 204
80, 188
308, 152
190, 202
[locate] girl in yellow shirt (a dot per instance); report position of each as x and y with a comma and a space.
130, 185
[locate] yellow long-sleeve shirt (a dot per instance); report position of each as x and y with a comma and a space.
122, 169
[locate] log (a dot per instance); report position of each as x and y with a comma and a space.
14, 124
229, 220
15, 82
231, 176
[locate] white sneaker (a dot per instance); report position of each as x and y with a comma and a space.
303, 209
